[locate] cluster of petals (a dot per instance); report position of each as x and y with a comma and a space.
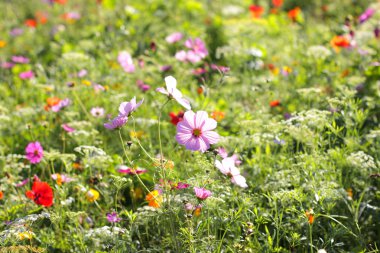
173, 93
202, 193
130, 171
228, 168
197, 51
125, 110
41, 193
126, 62
34, 152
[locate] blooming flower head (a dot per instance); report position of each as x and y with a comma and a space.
173, 93
181, 55
22, 183
67, 128
130, 171
154, 199
197, 46
293, 14
142, 86
256, 11
20, 59
174, 37
277, 3
223, 153
227, 167
41, 194
274, 103
97, 112
61, 178
339, 42
310, 216
126, 108
116, 122
26, 75
1, 195
92, 195
113, 218
176, 117
61, 104
195, 131
202, 193
34, 152
366, 15
82, 73
126, 62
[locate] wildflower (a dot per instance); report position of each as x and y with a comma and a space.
256, 11
197, 47
16, 32
293, 14
34, 152
339, 42
173, 93
195, 131
310, 216
217, 115
26, 75
117, 122
277, 3
366, 15
377, 32
285, 71
50, 102
130, 171
142, 86
223, 153
176, 117
82, 73
60, 105
2, 43
113, 218
136, 134
126, 62
67, 128
86, 82
25, 235
20, 59
92, 195
166, 68
71, 17
1, 195
181, 186
127, 108
154, 198
202, 193
60, 178
221, 69
167, 164
197, 211
350, 193
181, 55
41, 194
97, 112
31, 23
274, 103
174, 37
7, 65
193, 57
227, 167
22, 183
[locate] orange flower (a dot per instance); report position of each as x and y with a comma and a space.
62, 2
339, 42
41, 17
154, 199
275, 103
1, 195
294, 13
200, 90
198, 210
310, 216
31, 23
50, 102
349, 193
218, 115
2, 43
256, 11
277, 3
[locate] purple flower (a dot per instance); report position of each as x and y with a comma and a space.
82, 73
130, 171
142, 86
97, 112
173, 93
127, 108
7, 65
227, 167
202, 193
366, 15
125, 60
174, 37
62, 104
26, 75
195, 131
165, 68
377, 32
181, 186
22, 183
16, 32
34, 152
197, 46
67, 128
117, 122
279, 141
20, 59
113, 218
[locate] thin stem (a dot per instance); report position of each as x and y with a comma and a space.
159, 132
82, 105
138, 141
311, 238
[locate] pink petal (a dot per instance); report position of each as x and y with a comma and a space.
189, 118
200, 119
183, 138
162, 90
210, 124
211, 137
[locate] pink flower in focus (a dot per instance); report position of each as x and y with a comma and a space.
202, 193
26, 75
126, 108
97, 112
67, 128
195, 131
130, 171
173, 93
34, 152
174, 37
117, 122
197, 46
125, 60
227, 167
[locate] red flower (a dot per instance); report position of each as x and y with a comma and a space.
31, 22
175, 118
277, 3
293, 13
256, 10
41, 194
274, 103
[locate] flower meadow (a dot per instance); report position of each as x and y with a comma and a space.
190, 126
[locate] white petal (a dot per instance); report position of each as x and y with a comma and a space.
211, 136
189, 118
222, 169
171, 83
200, 119
240, 181
163, 91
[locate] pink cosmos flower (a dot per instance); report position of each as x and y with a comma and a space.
26, 75
221, 69
195, 131
174, 37
366, 15
173, 93
125, 60
62, 104
142, 86
193, 57
67, 128
126, 108
181, 55
197, 46
181, 186
20, 59
113, 218
130, 171
117, 122
97, 112
227, 167
202, 193
165, 68
34, 152
223, 153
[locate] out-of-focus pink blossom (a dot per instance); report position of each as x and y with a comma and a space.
174, 37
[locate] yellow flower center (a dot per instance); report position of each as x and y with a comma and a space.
197, 132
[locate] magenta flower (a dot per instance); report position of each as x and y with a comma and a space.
62, 104
130, 171
174, 37
221, 69
20, 59
97, 112
117, 122
26, 75
173, 93
197, 46
142, 86
166, 68
7, 65
22, 183
67, 128
193, 57
181, 186
195, 131
127, 108
366, 15
113, 218
227, 167
125, 60
202, 193
34, 152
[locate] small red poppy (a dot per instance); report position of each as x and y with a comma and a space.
175, 118
41, 194
31, 22
274, 103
